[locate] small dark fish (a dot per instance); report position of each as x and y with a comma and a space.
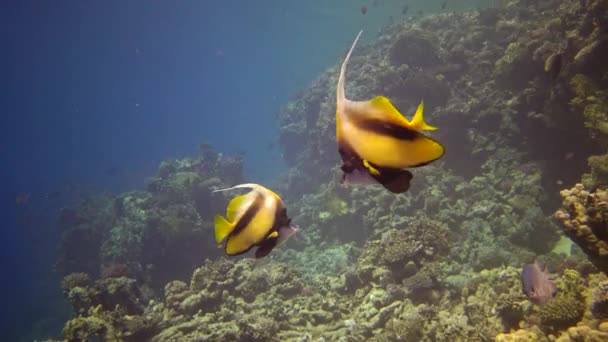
405, 9
364, 10
111, 171
444, 4
22, 198
537, 284
271, 145
52, 195
553, 65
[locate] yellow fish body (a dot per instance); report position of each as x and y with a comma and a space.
258, 218
375, 140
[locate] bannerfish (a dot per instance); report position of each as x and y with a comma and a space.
537, 284
376, 143
257, 218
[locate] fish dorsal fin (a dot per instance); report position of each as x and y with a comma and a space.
418, 120
234, 206
241, 186
222, 228
386, 107
340, 88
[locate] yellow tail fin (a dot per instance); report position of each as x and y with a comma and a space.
418, 120
222, 228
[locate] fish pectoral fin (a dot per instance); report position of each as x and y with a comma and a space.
418, 123
394, 180
267, 245
222, 228
372, 170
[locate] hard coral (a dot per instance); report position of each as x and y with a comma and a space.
584, 218
561, 312
73, 280
414, 48
598, 177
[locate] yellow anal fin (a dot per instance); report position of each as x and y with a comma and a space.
273, 235
222, 228
418, 123
234, 206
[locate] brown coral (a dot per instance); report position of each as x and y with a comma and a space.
562, 312
584, 218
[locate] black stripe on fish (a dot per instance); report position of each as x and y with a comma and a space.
249, 214
388, 129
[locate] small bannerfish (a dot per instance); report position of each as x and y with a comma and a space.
375, 141
258, 218
537, 284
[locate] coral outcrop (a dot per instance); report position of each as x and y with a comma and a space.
584, 218
156, 235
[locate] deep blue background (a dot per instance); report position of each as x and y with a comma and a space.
93, 94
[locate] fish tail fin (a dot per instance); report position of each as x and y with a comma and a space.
240, 186
340, 89
222, 228
418, 120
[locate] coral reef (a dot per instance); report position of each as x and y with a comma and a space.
440, 263
268, 301
156, 235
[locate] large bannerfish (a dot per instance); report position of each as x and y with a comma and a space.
377, 143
